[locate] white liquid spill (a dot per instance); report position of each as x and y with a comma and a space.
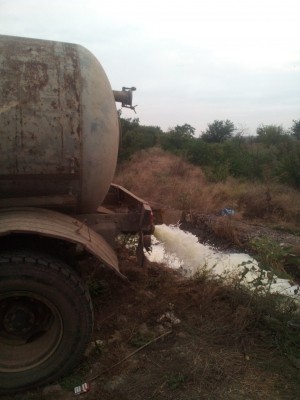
182, 251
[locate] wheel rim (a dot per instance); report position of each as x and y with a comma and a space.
31, 330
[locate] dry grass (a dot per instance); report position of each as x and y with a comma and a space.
161, 177
277, 202
164, 178
225, 228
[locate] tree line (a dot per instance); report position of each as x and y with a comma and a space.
222, 150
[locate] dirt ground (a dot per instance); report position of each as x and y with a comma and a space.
230, 231
161, 337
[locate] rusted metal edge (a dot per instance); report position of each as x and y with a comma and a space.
39, 201
61, 226
25, 177
130, 194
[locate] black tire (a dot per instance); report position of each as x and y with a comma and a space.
46, 320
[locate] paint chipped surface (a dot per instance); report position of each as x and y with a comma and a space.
39, 106
58, 122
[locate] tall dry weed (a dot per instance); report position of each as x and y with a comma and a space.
274, 201
164, 178
224, 228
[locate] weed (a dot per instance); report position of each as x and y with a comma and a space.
271, 255
97, 287
224, 228
274, 314
285, 227
140, 339
184, 199
217, 173
128, 241
176, 381
179, 184
77, 377
202, 274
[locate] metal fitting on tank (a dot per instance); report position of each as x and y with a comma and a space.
124, 96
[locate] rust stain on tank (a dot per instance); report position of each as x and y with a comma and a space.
35, 77
72, 84
54, 105
51, 93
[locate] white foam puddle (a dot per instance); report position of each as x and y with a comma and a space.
182, 251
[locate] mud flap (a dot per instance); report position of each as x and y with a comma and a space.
61, 226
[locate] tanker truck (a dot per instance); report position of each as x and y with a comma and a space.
59, 132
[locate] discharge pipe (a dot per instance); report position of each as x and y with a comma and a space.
124, 96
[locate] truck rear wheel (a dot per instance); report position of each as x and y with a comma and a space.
46, 320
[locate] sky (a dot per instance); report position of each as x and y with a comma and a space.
192, 61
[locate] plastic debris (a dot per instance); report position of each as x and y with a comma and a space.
169, 316
84, 388
226, 211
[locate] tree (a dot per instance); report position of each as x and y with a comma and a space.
295, 129
218, 131
177, 138
271, 134
185, 130
136, 137
128, 124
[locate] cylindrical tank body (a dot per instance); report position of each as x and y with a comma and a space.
59, 127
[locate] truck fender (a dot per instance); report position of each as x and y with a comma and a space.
60, 226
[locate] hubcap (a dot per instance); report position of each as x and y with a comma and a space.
23, 318
30, 331
18, 320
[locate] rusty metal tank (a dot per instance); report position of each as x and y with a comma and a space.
59, 127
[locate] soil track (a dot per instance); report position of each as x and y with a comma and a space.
230, 231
